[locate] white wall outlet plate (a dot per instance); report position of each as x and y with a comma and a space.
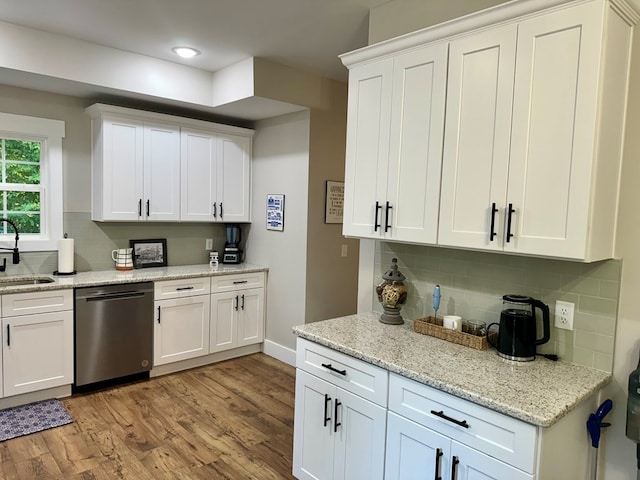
564, 315
208, 244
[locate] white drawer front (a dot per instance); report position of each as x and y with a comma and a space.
351, 374
188, 287
500, 436
242, 281
15, 304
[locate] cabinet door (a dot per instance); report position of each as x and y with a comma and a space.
161, 172
198, 164
234, 158
37, 352
313, 437
415, 153
181, 329
251, 321
121, 173
474, 465
415, 452
367, 151
553, 137
476, 141
224, 318
360, 438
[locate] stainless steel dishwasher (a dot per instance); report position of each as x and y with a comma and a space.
113, 331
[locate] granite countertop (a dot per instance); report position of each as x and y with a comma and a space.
113, 277
538, 392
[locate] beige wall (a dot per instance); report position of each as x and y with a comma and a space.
331, 279
397, 17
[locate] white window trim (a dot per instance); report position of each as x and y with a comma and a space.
51, 132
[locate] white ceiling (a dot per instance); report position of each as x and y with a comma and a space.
305, 34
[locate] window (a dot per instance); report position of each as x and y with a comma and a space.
31, 181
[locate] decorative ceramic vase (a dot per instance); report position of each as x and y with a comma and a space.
392, 294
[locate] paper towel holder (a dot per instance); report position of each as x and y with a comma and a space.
56, 272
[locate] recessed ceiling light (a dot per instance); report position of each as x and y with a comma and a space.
186, 52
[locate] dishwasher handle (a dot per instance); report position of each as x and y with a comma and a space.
115, 295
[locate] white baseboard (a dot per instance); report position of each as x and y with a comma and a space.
279, 352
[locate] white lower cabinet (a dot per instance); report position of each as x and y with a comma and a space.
237, 311
338, 434
415, 452
431, 434
37, 341
182, 320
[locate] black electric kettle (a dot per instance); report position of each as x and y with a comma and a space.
517, 335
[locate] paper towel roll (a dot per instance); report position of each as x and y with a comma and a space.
65, 255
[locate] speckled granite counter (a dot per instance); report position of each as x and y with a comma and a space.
538, 392
112, 277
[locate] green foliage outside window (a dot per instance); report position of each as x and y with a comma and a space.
20, 184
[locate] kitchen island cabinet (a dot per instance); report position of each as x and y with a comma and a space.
494, 417
340, 416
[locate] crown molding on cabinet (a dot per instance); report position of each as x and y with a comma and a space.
505, 12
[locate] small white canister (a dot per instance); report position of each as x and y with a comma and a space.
213, 259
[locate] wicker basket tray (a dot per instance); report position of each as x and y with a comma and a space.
427, 326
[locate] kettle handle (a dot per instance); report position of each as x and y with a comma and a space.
489, 334
546, 325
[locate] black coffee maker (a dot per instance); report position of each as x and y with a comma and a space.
232, 252
517, 335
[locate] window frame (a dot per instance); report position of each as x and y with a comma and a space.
50, 133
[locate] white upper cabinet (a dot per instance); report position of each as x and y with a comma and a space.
148, 166
536, 97
476, 143
394, 146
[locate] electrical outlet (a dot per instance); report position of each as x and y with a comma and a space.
344, 250
208, 244
564, 315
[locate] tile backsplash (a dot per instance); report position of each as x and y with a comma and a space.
472, 285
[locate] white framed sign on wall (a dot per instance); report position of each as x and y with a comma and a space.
275, 212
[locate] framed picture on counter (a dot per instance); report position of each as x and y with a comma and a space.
149, 253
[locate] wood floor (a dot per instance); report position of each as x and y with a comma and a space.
230, 420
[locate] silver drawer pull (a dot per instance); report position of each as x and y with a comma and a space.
333, 369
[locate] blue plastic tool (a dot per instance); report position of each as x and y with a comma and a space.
436, 299
595, 423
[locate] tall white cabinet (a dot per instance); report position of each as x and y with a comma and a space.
532, 131
154, 167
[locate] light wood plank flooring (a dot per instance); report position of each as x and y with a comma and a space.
229, 420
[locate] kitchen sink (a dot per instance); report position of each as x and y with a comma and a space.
25, 281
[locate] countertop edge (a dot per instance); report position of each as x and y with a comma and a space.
493, 404
113, 277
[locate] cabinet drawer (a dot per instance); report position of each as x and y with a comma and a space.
187, 287
242, 281
15, 304
351, 374
497, 435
